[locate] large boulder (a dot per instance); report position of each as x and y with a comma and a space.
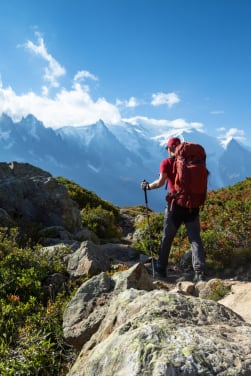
28, 193
161, 333
85, 312
153, 333
87, 309
88, 260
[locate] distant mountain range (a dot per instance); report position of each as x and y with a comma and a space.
113, 160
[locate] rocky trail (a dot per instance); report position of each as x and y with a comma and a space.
235, 287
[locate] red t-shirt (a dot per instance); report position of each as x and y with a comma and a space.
166, 166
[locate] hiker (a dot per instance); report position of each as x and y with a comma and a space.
174, 216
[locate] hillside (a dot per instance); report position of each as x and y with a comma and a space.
37, 281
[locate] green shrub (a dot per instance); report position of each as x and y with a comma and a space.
217, 290
226, 225
149, 233
83, 197
31, 338
101, 221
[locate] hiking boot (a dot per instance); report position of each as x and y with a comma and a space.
199, 276
159, 272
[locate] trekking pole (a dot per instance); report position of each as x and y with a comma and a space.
149, 231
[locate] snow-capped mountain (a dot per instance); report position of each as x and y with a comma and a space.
112, 160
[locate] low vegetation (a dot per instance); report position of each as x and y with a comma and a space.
98, 215
31, 338
225, 230
85, 198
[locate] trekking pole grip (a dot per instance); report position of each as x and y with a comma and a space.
146, 201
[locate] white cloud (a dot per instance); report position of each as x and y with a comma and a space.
45, 91
231, 133
83, 75
183, 124
168, 99
179, 124
146, 120
130, 103
73, 107
221, 129
54, 70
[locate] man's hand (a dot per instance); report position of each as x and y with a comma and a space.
145, 185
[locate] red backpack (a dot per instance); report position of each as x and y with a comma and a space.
191, 175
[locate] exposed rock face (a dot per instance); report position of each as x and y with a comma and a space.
81, 320
85, 312
154, 332
29, 193
86, 258
89, 259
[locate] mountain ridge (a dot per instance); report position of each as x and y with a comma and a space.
112, 160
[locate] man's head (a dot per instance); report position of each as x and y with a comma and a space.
174, 141
171, 144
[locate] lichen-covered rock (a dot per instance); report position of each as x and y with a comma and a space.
161, 333
81, 319
88, 260
85, 312
136, 277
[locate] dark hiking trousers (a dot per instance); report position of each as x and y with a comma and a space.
172, 221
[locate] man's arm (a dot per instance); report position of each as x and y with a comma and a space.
156, 183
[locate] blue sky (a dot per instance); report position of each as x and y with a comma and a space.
171, 61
